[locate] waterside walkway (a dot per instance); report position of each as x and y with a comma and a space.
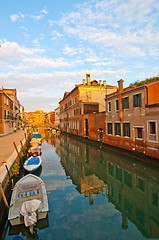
8, 153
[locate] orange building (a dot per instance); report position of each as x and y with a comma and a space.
84, 99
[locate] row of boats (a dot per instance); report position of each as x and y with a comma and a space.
29, 201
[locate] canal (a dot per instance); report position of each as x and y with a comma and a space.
94, 194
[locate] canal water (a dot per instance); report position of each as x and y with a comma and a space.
94, 194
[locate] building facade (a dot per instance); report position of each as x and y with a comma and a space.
50, 119
132, 118
11, 115
6, 114
35, 119
84, 99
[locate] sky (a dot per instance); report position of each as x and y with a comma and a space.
48, 46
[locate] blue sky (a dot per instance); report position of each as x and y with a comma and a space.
48, 46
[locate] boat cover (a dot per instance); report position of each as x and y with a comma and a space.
28, 210
33, 161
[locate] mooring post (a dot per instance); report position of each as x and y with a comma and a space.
17, 152
22, 147
3, 196
8, 172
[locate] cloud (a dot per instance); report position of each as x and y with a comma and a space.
33, 63
118, 25
44, 11
14, 17
11, 51
56, 35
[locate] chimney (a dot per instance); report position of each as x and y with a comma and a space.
88, 79
120, 89
84, 81
100, 82
120, 85
104, 83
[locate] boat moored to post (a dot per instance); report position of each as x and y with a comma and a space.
28, 194
32, 163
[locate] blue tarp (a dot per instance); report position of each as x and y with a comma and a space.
37, 136
33, 161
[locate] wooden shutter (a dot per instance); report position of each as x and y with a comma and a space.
123, 129
139, 99
134, 101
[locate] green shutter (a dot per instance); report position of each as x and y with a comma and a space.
123, 103
115, 129
139, 99
127, 102
123, 129
129, 129
133, 100
119, 130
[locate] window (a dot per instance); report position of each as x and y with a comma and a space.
125, 103
109, 106
137, 100
119, 174
117, 129
110, 128
138, 132
117, 104
152, 128
111, 169
126, 129
128, 179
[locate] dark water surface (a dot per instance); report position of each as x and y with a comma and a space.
94, 195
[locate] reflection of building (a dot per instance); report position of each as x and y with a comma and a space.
132, 188
57, 117
84, 99
10, 111
132, 118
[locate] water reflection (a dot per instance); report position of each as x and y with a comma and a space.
133, 187
24, 231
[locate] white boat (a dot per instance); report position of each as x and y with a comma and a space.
28, 190
32, 163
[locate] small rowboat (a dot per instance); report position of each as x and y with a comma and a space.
29, 189
32, 163
38, 137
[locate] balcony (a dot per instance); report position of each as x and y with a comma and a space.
10, 118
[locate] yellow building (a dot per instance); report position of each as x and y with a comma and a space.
84, 99
35, 119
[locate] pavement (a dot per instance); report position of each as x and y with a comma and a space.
8, 153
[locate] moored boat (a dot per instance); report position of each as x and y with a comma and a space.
35, 150
38, 137
28, 196
32, 163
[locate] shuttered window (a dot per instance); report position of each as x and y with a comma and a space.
125, 103
126, 129
137, 100
117, 129
110, 130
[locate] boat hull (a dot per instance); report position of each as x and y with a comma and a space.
28, 188
32, 164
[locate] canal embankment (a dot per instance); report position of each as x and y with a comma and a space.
14, 148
